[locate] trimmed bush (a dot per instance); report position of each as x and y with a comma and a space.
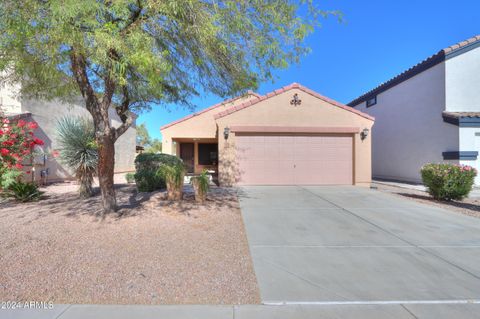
448, 181
154, 161
148, 176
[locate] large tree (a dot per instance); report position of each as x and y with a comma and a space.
131, 54
143, 137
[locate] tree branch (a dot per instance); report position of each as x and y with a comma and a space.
124, 113
129, 118
79, 69
134, 17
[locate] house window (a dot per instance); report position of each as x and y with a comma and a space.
207, 154
372, 101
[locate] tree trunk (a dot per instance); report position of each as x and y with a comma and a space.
106, 164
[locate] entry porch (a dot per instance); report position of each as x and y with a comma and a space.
198, 154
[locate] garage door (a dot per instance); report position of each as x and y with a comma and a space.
294, 159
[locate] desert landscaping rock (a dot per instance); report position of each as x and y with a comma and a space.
468, 206
151, 252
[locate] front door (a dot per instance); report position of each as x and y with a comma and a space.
187, 156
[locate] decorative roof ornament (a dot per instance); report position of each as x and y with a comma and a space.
296, 100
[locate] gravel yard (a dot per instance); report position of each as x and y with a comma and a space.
468, 206
151, 252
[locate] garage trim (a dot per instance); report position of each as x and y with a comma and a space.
295, 129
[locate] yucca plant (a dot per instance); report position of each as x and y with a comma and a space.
78, 150
201, 185
174, 175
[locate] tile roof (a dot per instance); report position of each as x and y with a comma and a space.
285, 89
208, 109
457, 115
420, 67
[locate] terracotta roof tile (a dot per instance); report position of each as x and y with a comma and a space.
209, 108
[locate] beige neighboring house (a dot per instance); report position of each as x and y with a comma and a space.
46, 114
430, 113
292, 136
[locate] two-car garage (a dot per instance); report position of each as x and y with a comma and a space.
293, 159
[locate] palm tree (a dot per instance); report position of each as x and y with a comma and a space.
78, 150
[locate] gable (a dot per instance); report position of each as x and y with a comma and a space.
202, 123
275, 109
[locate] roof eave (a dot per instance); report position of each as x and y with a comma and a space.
440, 56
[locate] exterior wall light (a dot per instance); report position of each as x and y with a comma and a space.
364, 133
226, 132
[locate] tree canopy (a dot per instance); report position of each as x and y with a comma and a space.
149, 51
143, 137
132, 54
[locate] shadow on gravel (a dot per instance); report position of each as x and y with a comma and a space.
428, 198
130, 203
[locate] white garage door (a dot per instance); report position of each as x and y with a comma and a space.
294, 159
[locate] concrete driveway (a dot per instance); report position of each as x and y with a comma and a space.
346, 245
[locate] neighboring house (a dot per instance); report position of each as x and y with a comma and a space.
429, 113
46, 115
292, 136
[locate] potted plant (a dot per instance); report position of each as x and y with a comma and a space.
201, 185
174, 175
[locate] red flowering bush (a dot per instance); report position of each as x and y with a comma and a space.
17, 142
448, 181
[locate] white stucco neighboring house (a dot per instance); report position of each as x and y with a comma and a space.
429, 113
46, 114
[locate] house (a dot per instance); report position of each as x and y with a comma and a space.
292, 136
46, 114
429, 113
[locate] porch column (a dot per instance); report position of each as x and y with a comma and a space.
195, 157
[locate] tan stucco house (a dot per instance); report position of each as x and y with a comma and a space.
292, 136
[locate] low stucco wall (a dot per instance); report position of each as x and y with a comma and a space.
277, 111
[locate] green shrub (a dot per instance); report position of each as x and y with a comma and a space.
149, 176
23, 192
201, 185
448, 181
130, 177
149, 180
9, 177
173, 175
154, 161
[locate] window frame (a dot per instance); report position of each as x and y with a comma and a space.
370, 103
199, 157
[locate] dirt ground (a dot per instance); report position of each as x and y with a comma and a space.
151, 252
468, 206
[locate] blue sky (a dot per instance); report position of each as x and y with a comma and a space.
377, 40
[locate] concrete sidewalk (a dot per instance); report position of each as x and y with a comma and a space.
345, 311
